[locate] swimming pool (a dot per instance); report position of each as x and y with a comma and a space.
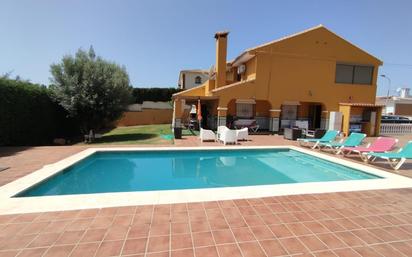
130, 171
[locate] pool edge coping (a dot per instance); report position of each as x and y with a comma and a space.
9, 205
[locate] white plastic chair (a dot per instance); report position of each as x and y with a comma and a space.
207, 135
242, 134
219, 131
228, 136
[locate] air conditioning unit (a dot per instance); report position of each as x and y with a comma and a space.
241, 69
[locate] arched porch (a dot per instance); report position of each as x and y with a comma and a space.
248, 110
182, 108
308, 115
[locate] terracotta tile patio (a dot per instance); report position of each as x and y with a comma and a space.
360, 223
367, 223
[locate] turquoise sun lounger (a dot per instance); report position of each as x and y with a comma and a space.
354, 139
396, 159
329, 136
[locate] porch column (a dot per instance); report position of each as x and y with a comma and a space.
324, 122
178, 106
378, 121
221, 116
274, 120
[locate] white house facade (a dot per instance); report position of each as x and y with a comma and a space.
397, 105
192, 78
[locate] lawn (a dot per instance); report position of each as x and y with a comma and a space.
146, 134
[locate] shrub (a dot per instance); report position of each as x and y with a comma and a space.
92, 90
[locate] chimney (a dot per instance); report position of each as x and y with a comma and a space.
221, 51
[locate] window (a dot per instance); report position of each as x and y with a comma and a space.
353, 74
363, 75
198, 80
244, 110
344, 73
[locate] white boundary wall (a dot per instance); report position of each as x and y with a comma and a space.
396, 129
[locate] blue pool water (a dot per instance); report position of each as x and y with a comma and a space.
167, 170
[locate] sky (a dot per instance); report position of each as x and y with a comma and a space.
156, 39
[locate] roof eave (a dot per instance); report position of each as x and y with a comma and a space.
244, 57
254, 49
185, 91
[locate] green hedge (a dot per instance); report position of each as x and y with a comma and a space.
28, 115
153, 94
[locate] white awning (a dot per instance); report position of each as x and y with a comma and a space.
245, 101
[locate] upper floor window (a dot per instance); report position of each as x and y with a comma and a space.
354, 74
198, 80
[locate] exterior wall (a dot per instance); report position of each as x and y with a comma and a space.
250, 72
403, 109
196, 91
396, 106
346, 113
209, 86
231, 107
189, 79
146, 117
231, 76
302, 69
307, 64
240, 90
306, 80
319, 43
389, 107
262, 108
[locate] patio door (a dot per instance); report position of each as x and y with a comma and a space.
315, 116
205, 116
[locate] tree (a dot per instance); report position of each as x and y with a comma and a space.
93, 91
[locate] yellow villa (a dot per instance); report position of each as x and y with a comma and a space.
302, 77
